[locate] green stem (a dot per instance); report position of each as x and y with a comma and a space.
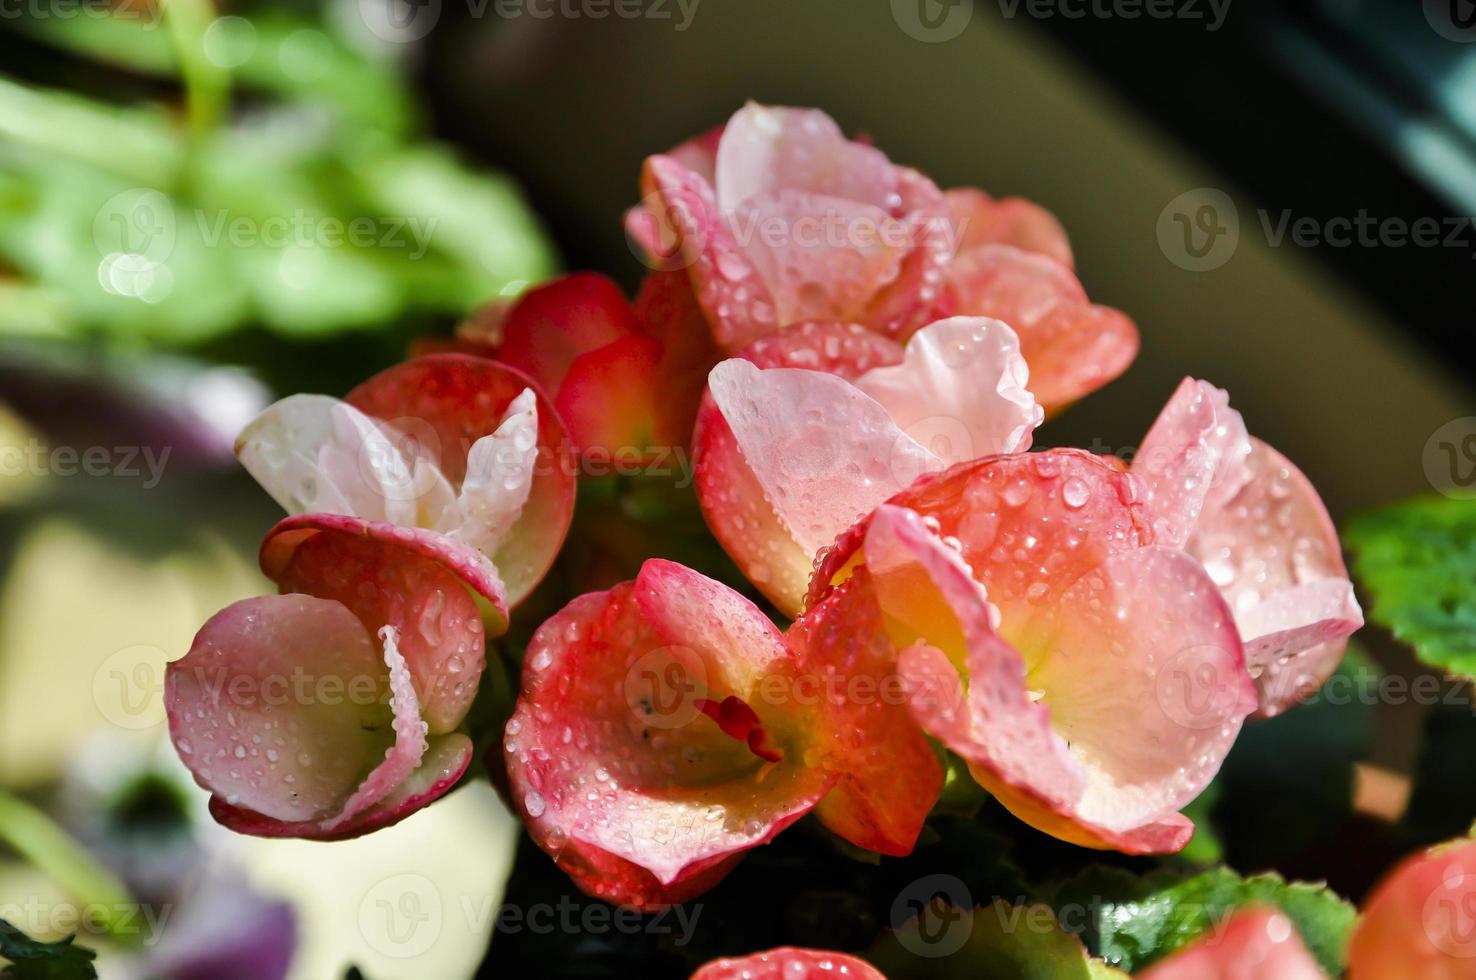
207, 85
38, 839
134, 143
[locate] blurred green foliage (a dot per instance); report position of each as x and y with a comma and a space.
279, 182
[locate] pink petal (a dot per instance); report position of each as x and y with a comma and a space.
960, 390
618, 772
1249, 944
1270, 549
1194, 456
1420, 921
447, 402
767, 149
824, 452
789, 963
278, 709
890, 775
554, 323
982, 220
1072, 346
390, 576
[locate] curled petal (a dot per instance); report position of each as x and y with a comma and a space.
1072, 346
824, 452
1194, 457
789, 963
1250, 944
499, 476
1274, 553
418, 583
612, 400
983, 220
960, 390
285, 710
1421, 920
619, 772
1098, 721
443, 404
890, 777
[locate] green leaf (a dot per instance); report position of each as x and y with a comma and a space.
1001, 942
31, 959
1418, 559
1131, 921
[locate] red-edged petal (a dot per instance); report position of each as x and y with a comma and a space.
1421, 920
668, 311
960, 390
789, 963
1274, 553
445, 403
407, 580
1250, 944
889, 775
1098, 721
983, 220
552, 324
279, 709
1073, 347
617, 771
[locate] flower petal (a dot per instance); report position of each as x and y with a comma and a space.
1275, 554
499, 476
824, 452
890, 776
619, 772
1251, 943
554, 323
1193, 457
983, 220
446, 402
789, 963
408, 581
960, 390
1421, 920
612, 401
1072, 346
278, 708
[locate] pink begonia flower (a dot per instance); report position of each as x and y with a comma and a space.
1420, 921
779, 219
332, 709
1263, 535
1253, 943
789, 963
459, 445
659, 734
811, 428
1092, 680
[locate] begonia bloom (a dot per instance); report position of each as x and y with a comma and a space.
789, 963
1420, 921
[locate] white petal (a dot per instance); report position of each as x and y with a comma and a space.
499, 474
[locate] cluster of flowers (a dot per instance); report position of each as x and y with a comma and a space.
858, 361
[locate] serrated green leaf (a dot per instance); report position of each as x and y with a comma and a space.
1131, 922
31, 959
1418, 560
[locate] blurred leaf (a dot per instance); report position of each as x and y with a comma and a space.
33, 960
1418, 559
1003, 942
1132, 921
